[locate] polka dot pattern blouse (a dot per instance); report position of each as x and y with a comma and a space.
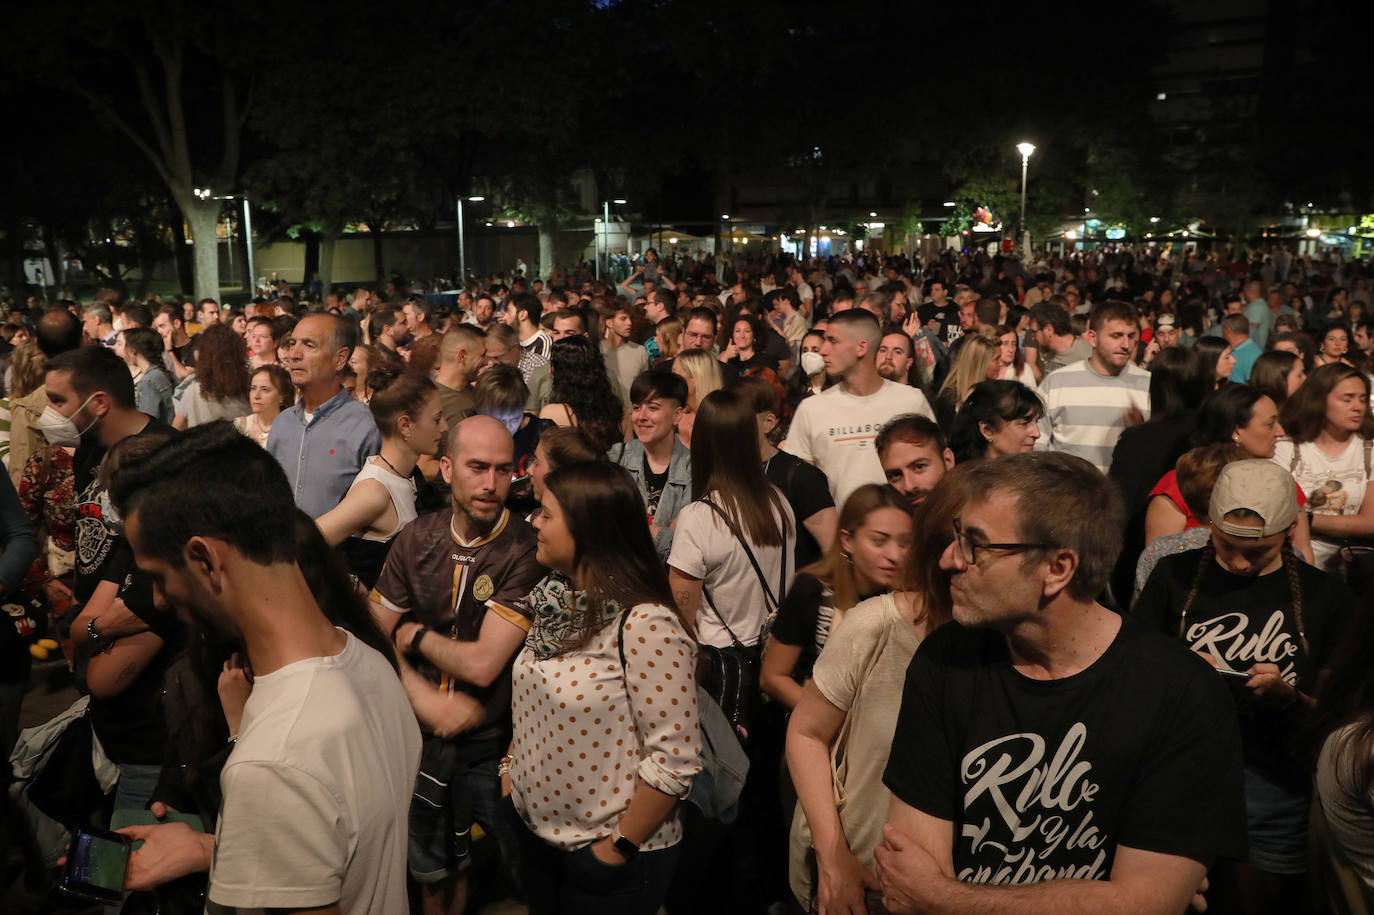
583, 731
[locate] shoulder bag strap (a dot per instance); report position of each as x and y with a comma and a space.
620, 639
734, 639
758, 570
1368, 445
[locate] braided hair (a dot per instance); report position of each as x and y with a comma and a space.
1290, 569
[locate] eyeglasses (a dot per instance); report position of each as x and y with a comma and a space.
969, 549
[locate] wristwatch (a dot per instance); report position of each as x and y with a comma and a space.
623, 845
91, 634
417, 638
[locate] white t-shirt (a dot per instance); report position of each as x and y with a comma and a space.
1027, 376
704, 548
1333, 485
835, 431
317, 790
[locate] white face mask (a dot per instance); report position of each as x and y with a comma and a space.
812, 363
59, 430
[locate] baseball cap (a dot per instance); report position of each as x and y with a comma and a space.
1256, 485
1164, 321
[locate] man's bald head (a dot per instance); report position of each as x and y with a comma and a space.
478, 431
478, 468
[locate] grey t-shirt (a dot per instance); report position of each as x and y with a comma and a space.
1076, 353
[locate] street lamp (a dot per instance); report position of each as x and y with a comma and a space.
462, 245
1025, 149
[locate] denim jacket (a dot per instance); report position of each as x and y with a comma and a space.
677, 491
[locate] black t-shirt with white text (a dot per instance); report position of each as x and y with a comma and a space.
1241, 621
1043, 779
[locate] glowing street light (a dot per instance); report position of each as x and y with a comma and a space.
1025, 149
462, 241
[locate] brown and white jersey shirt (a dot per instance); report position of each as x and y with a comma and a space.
451, 585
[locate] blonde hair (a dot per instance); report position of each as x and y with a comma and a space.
668, 332
704, 370
970, 367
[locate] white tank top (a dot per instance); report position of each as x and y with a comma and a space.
402, 495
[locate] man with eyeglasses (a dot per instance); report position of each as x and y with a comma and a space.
1048, 755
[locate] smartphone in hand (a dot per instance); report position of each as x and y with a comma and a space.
96, 863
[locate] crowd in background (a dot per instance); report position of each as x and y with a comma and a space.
753, 583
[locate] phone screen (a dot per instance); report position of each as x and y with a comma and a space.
96, 864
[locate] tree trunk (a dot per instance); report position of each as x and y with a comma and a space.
146, 266
110, 251
327, 260
548, 247
182, 252
203, 217
312, 257
14, 244
55, 262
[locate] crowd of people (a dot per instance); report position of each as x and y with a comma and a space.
839, 585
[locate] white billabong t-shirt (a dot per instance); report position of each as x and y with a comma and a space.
835, 431
317, 790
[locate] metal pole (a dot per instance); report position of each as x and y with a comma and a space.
248, 243
1025, 161
462, 249
605, 238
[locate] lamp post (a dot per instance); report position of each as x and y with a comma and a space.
462, 243
1025, 149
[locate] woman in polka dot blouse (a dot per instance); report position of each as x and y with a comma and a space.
601, 753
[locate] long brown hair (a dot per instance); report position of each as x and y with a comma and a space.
726, 463
1304, 414
1019, 360
934, 532
222, 364
613, 556
835, 570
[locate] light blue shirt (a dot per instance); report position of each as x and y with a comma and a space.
1245, 356
1261, 318
322, 458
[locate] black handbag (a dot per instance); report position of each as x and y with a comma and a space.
731, 675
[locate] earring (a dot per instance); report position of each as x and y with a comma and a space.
1235, 437
847, 558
